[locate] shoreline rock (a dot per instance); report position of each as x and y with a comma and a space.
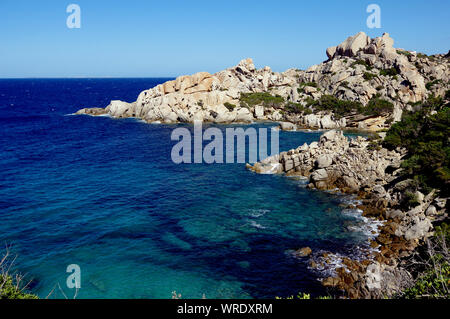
335, 162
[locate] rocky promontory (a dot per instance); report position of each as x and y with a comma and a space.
373, 174
365, 83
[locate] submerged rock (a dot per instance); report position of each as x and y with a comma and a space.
303, 252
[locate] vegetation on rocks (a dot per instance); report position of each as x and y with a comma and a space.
11, 285
377, 106
389, 72
311, 84
430, 84
229, 106
369, 76
433, 264
341, 108
363, 63
425, 134
297, 108
9, 289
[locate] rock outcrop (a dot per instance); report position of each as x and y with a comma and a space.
358, 70
202, 96
351, 166
335, 162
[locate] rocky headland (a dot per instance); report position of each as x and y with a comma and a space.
365, 83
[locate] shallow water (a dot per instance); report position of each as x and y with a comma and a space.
104, 194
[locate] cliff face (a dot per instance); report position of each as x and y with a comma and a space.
359, 69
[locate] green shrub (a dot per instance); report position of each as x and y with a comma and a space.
422, 55
411, 199
431, 285
430, 85
361, 62
403, 52
426, 138
229, 106
312, 84
10, 290
265, 98
339, 107
297, 108
389, 72
11, 285
345, 84
369, 76
378, 107
443, 231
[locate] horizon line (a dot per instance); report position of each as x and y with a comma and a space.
86, 77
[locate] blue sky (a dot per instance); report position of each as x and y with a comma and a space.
149, 38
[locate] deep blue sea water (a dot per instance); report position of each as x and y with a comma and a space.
104, 194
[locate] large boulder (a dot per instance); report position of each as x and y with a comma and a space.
287, 126
326, 122
352, 45
418, 228
259, 111
311, 120
244, 115
331, 136
121, 109
373, 276
319, 175
331, 51
384, 43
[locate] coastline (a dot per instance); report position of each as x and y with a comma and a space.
366, 84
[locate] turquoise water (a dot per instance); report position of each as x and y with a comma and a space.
104, 194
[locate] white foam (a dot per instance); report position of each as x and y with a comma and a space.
368, 227
256, 225
259, 213
273, 169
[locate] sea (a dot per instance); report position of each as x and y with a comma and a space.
103, 194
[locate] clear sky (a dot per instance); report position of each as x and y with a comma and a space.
146, 38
